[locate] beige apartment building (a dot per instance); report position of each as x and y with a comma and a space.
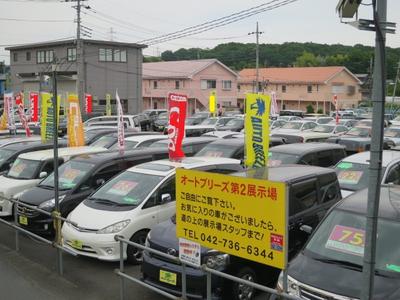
298, 87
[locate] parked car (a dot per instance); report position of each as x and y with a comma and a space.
393, 133
110, 139
29, 169
358, 139
293, 127
207, 125
194, 120
314, 154
160, 122
235, 124
78, 178
395, 121
349, 123
319, 120
307, 206
139, 141
331, 264
145, 122
202, 114
130, 205
276, 123
290, 118
353, 171
225, 134
154, 113
229, 148
92, 134
190, 145
130, 121
288, 112
318, 134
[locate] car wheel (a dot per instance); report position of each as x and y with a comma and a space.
135, 255
242, 291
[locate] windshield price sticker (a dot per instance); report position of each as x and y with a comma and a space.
235, 215
70, 174
122, 188
350, 177
347, 240
17, 168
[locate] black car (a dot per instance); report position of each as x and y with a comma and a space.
145, 122
312, 191
194, 120
190, 145
313, 154
161, 122
109, 139
236, 124
335, 252
78, 178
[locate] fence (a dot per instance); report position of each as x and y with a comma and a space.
120, 272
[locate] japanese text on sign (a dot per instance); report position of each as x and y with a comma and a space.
245, 217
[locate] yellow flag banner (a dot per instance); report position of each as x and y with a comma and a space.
257, 130
3, 121
46, 116
76, 137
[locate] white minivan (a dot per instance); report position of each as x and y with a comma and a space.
130, 205
30, 168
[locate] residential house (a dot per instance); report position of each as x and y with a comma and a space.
195, 78
107, 67
296, 88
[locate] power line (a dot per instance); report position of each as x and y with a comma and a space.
35, 20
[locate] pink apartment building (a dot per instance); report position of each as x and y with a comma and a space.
298, 87
195, 78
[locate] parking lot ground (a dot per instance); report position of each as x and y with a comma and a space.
31, 274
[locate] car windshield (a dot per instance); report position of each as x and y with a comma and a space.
224, 121
163, 116
191, 121
128, 145
394, 133
324, 128
353, 176
24, 169
341, 238
209, 122
217, 151
105, 142
128, 188
292, 125
235, 122
201, 115
69, 174
278, 158
358, 131
5, 154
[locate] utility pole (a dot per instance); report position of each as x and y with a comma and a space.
112, 34
257, 33
395, 86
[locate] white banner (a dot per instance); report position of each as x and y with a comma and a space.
121, 133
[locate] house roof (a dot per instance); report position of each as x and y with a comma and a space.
179, 68
315, 75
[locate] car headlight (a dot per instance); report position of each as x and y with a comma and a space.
114, 228
216, 260
50, 204
292, 285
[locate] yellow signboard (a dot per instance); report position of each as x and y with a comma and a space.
212, 102
257, 130
240, 216
76, 137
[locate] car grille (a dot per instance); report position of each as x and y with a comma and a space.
312, 295
82, 229
164, 250
26, 211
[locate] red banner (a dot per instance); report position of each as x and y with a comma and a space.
34, 102
88, 103
176, 127
19, 100
335, 101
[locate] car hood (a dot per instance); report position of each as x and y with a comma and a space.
199, 127
231, 128
38, 195
347, 282
11, 186
313, 134
95, 219
277, 131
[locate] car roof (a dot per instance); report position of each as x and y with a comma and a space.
165, 167
142, 138
62, 152
22, 145
129, 133
236, 142
191, 140
303, 148
284, 173
363, 157
389, 202
12, 140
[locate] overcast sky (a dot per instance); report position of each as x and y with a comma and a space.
133, 20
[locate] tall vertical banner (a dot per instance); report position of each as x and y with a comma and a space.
274, 104
257, 130
108, 104
212, 103
121, 129
176, 128
47, 118
3, 119
19, 101
88, 103
76, 137
335, 101
9, 108
34, 106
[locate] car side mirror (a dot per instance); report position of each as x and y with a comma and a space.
165, 198
43, 174
100, 182
306, 228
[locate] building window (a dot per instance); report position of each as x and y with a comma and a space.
309, 88
226, 84
40, 57
115, 55
109, 55
123, 55
15, 56
155, 85
46, 56
208, 84
28, 56
49, 56
283, 88
177, 84
71, 54
238, 87
102, 54
338, 89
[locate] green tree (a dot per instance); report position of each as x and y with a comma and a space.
310, 109
308, 59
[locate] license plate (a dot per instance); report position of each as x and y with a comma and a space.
168, 277
23, 220
76, 244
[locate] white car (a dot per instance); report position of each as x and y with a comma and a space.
140, 141
319, 134
295, 127
130, 205
130, 121
8, 140
393, 133
29, 169
353, 171
210, 124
